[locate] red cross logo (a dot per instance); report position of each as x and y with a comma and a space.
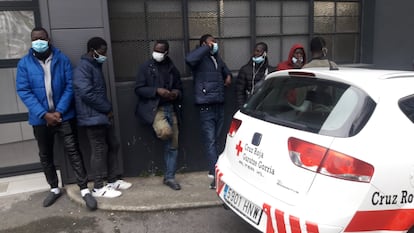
239, 148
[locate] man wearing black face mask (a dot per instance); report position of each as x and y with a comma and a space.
159, 89
44, 84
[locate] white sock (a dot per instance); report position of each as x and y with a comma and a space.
84, 192
55, 190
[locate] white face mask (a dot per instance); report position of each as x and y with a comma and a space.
159, 57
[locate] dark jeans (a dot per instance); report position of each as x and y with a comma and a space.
211, 119
45, 140
171, 147
104, 154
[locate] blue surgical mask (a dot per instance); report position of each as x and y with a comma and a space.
258, 60
40, 46
215, 48
100, 58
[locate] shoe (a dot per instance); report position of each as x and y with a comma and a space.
90, 201
210, 175
213, 185
172, 184
51, 198
120, 184
106, 191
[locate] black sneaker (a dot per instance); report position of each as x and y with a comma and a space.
51, 198
172, 184
213, 184
90, 201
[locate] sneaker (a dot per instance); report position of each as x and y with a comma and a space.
172, 184
211, 174
90, 201
106, 191
51, 198
120, 184
213, 185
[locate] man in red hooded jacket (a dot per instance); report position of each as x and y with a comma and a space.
296, 59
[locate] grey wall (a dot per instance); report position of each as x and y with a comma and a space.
393, 34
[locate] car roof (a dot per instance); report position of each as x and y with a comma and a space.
364, 78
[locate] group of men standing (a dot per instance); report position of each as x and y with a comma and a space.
60, 99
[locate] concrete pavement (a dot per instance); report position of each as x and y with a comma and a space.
150, 194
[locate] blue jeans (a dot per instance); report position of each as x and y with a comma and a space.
211, 118
166, 127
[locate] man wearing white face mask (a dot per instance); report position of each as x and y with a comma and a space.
252, 74
296, 58
159, 90
94, 113
44, 84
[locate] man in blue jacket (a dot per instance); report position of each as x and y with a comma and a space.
44, 84
210, 75
94, 112
159, 89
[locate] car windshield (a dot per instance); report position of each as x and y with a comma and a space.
311, 104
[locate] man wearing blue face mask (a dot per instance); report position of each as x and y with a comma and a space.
211, 76
251, 74
94, 113
44, 84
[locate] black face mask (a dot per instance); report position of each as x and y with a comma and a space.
42, 56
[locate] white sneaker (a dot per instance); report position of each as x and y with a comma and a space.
120, 184
106, 191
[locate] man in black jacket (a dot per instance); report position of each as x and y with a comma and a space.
210, 75
159, 89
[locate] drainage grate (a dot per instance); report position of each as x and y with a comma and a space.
3, 187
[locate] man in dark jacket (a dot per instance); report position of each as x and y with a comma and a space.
251, 74
44, 84
159, 89
94, 112
210, 75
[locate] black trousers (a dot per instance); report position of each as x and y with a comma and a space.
45, 137
104, 154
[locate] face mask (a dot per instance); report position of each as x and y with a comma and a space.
215, 48
40, 46
295, 60
258, 60
100, 58
157, 56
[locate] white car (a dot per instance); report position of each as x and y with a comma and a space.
319, 150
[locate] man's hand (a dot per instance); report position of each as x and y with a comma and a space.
53, 118
227, 81
163, 92
174, 94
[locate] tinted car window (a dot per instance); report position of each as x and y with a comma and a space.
311, 104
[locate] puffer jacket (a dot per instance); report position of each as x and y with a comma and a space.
91, 101
30, 86
208, 80
245, 82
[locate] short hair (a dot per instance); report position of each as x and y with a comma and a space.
95, 43
36, 29
317, 43
163, 42
204, 38
263, 44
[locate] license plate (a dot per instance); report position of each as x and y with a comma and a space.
241, 204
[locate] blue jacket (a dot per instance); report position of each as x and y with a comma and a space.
91, 101
208, 80
30, 86
147, 82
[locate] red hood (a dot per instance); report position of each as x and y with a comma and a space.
288, 64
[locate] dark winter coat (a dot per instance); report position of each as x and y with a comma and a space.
147, 82
91, 101
208, 80
245, 81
